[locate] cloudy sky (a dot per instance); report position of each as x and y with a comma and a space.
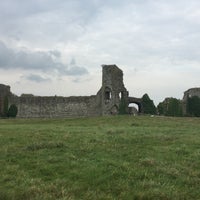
57, 47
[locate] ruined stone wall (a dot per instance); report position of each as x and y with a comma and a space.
113, 90
106, 102
32, 106
189, 93
4, 92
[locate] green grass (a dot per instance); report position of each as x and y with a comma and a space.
122, 157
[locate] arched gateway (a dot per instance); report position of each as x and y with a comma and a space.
137, 101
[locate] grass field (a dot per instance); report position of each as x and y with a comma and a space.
122, 157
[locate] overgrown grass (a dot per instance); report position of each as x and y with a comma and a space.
122, 157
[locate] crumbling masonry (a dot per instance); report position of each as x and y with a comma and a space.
188, 94
107, 101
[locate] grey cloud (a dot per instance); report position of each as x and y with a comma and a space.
55, 53
21, 8
41, 61
49, 19
147, 32
36, 78
56, 21
139, 28
6, 55
22, 59
76, 70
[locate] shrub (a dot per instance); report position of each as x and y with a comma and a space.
148, 105
12, 111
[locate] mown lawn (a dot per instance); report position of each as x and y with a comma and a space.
121, 157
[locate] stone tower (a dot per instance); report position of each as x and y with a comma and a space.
113, 91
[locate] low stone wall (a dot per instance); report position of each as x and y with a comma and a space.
36, 106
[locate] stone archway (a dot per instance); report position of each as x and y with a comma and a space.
138, 102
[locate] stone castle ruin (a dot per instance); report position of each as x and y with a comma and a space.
191, 93
108, 101
188, 94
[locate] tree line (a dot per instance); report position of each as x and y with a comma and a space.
172, 106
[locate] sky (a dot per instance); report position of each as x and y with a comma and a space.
57, 47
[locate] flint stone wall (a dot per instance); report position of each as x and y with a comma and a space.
36, 106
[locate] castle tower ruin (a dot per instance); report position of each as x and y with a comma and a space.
113, 91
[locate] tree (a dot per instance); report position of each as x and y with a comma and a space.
123, 107
174, 108
170, 107
193, 106
148, 105
12, 111
161, 108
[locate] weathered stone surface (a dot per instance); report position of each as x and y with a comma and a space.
55, 106
4, 92
112, 90
105, 102
189, 93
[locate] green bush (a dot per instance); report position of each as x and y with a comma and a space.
12, 111
148, 105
